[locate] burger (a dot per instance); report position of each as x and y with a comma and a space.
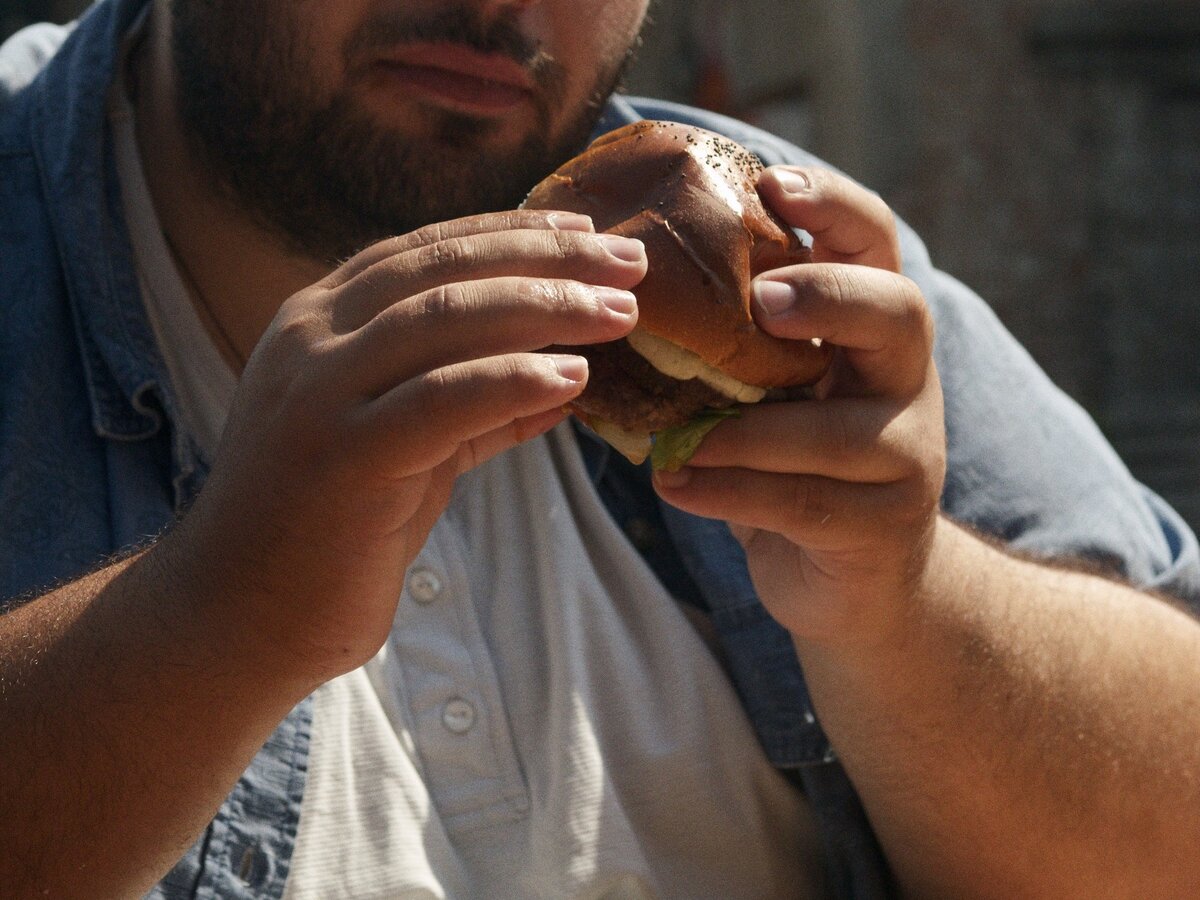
696, 354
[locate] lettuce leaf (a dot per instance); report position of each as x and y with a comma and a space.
673, 447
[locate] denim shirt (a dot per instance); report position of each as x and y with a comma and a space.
92, 461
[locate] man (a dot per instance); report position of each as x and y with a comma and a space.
395, 644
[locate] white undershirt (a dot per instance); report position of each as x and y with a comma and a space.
543, 720
201, 380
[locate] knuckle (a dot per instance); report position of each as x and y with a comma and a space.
913, 503
298, 328
531, 218
412, 241
839, 433
840, 284
881, 213
451, 253
821, 181
530, 370
387, 247
563, 245
446, 301
908, 470
915, 316
918, 476
900, 445
430, 235
805, 500
434, 384
931, 474
548, 295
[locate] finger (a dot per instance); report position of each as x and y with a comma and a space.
809, 510
477, 319
479, 450
474, 453
878, 318
846, 439
601, 259
423, 422
848, 223
509, 220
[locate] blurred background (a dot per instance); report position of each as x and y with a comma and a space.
1048, 151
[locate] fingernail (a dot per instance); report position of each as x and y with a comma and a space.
793, 182
675, 479
571, 368
570, 222
623, 303
623, 248
773, 297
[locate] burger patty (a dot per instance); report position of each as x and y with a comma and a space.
623, 388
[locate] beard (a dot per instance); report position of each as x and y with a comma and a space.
318, 172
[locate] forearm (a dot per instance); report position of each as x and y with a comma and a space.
1035, 732
127, 712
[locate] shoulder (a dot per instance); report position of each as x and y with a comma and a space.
25, 54
1026, 463
770, 148
22, 58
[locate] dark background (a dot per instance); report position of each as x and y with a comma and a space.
16, 13
1047, 150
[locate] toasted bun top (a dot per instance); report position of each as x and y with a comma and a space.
689, 195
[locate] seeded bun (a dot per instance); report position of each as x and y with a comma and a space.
689, 195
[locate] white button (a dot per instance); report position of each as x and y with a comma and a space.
424, 585
458, 716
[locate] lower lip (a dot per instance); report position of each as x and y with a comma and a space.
463, 93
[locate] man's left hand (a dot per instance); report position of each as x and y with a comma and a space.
834, 499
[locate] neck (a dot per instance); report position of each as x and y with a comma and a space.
239, 273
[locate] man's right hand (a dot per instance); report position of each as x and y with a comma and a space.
367, 396
132, 699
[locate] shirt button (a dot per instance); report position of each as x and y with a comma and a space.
252, 866
424, 585
458, 716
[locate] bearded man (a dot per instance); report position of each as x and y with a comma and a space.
312, 591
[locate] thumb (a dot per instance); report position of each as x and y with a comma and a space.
848, 223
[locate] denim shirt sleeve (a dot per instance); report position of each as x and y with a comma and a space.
90, 463
24, 54
1026, 464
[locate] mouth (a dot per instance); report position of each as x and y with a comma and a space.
456, 77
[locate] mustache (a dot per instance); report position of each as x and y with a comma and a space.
455, 25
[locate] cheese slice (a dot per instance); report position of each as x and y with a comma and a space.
634, 446
683, 365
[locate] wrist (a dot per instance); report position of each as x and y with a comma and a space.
892, 620
901, 676
216, 619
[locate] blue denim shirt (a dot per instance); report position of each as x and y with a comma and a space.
92, 460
